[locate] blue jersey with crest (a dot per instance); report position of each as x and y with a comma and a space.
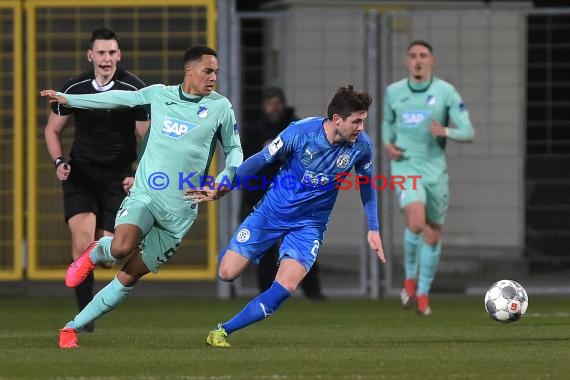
313, 170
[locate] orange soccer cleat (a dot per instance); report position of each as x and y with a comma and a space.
68, 338
423, 305
80, 268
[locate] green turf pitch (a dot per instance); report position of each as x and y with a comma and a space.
148, 338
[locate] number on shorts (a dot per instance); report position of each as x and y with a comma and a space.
315, 249
166, 254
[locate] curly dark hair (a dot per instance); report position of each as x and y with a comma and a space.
346, 101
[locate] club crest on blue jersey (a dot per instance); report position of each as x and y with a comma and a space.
202, 112
430, 100
176, 128
342, 161
413, 119
243, 235
462, 107
235, 128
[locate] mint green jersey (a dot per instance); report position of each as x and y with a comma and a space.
182, 140
409, 109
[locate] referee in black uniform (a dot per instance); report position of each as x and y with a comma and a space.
99, 171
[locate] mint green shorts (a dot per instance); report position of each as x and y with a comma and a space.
435, 197
162, 231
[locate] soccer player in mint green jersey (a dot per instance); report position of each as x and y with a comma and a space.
187, 120
415, 128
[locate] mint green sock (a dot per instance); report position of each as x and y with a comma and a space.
429, 259
104, 301
412, 245
102, 251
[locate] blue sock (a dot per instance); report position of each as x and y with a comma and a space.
104, 301
412, 246
258, 308
429, 260
102, 251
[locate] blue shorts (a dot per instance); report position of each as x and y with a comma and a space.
256, 234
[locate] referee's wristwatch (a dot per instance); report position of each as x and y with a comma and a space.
58, 161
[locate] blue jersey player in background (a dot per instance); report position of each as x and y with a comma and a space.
317, 153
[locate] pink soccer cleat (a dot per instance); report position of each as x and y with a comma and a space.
80, 268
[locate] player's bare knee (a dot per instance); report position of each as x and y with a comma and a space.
416, 227
432, 235
226, 274
121, 249
431, 239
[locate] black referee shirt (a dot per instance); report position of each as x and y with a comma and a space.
104, 137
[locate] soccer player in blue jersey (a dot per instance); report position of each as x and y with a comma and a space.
317, 154
415, 128
187, 120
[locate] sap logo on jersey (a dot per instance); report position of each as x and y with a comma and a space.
413, 119
176, 128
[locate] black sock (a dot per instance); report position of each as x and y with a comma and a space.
84, 292
267, 269
84, 295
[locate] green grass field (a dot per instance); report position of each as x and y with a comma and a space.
149, 338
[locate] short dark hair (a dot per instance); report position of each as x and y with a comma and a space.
274, 92
196, 52
346, 101
423, 43
102, 34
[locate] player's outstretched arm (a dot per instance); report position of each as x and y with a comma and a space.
375, 242
53, 97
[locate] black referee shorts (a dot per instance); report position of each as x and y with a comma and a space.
94, 189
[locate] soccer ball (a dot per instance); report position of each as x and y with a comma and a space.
506, 301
